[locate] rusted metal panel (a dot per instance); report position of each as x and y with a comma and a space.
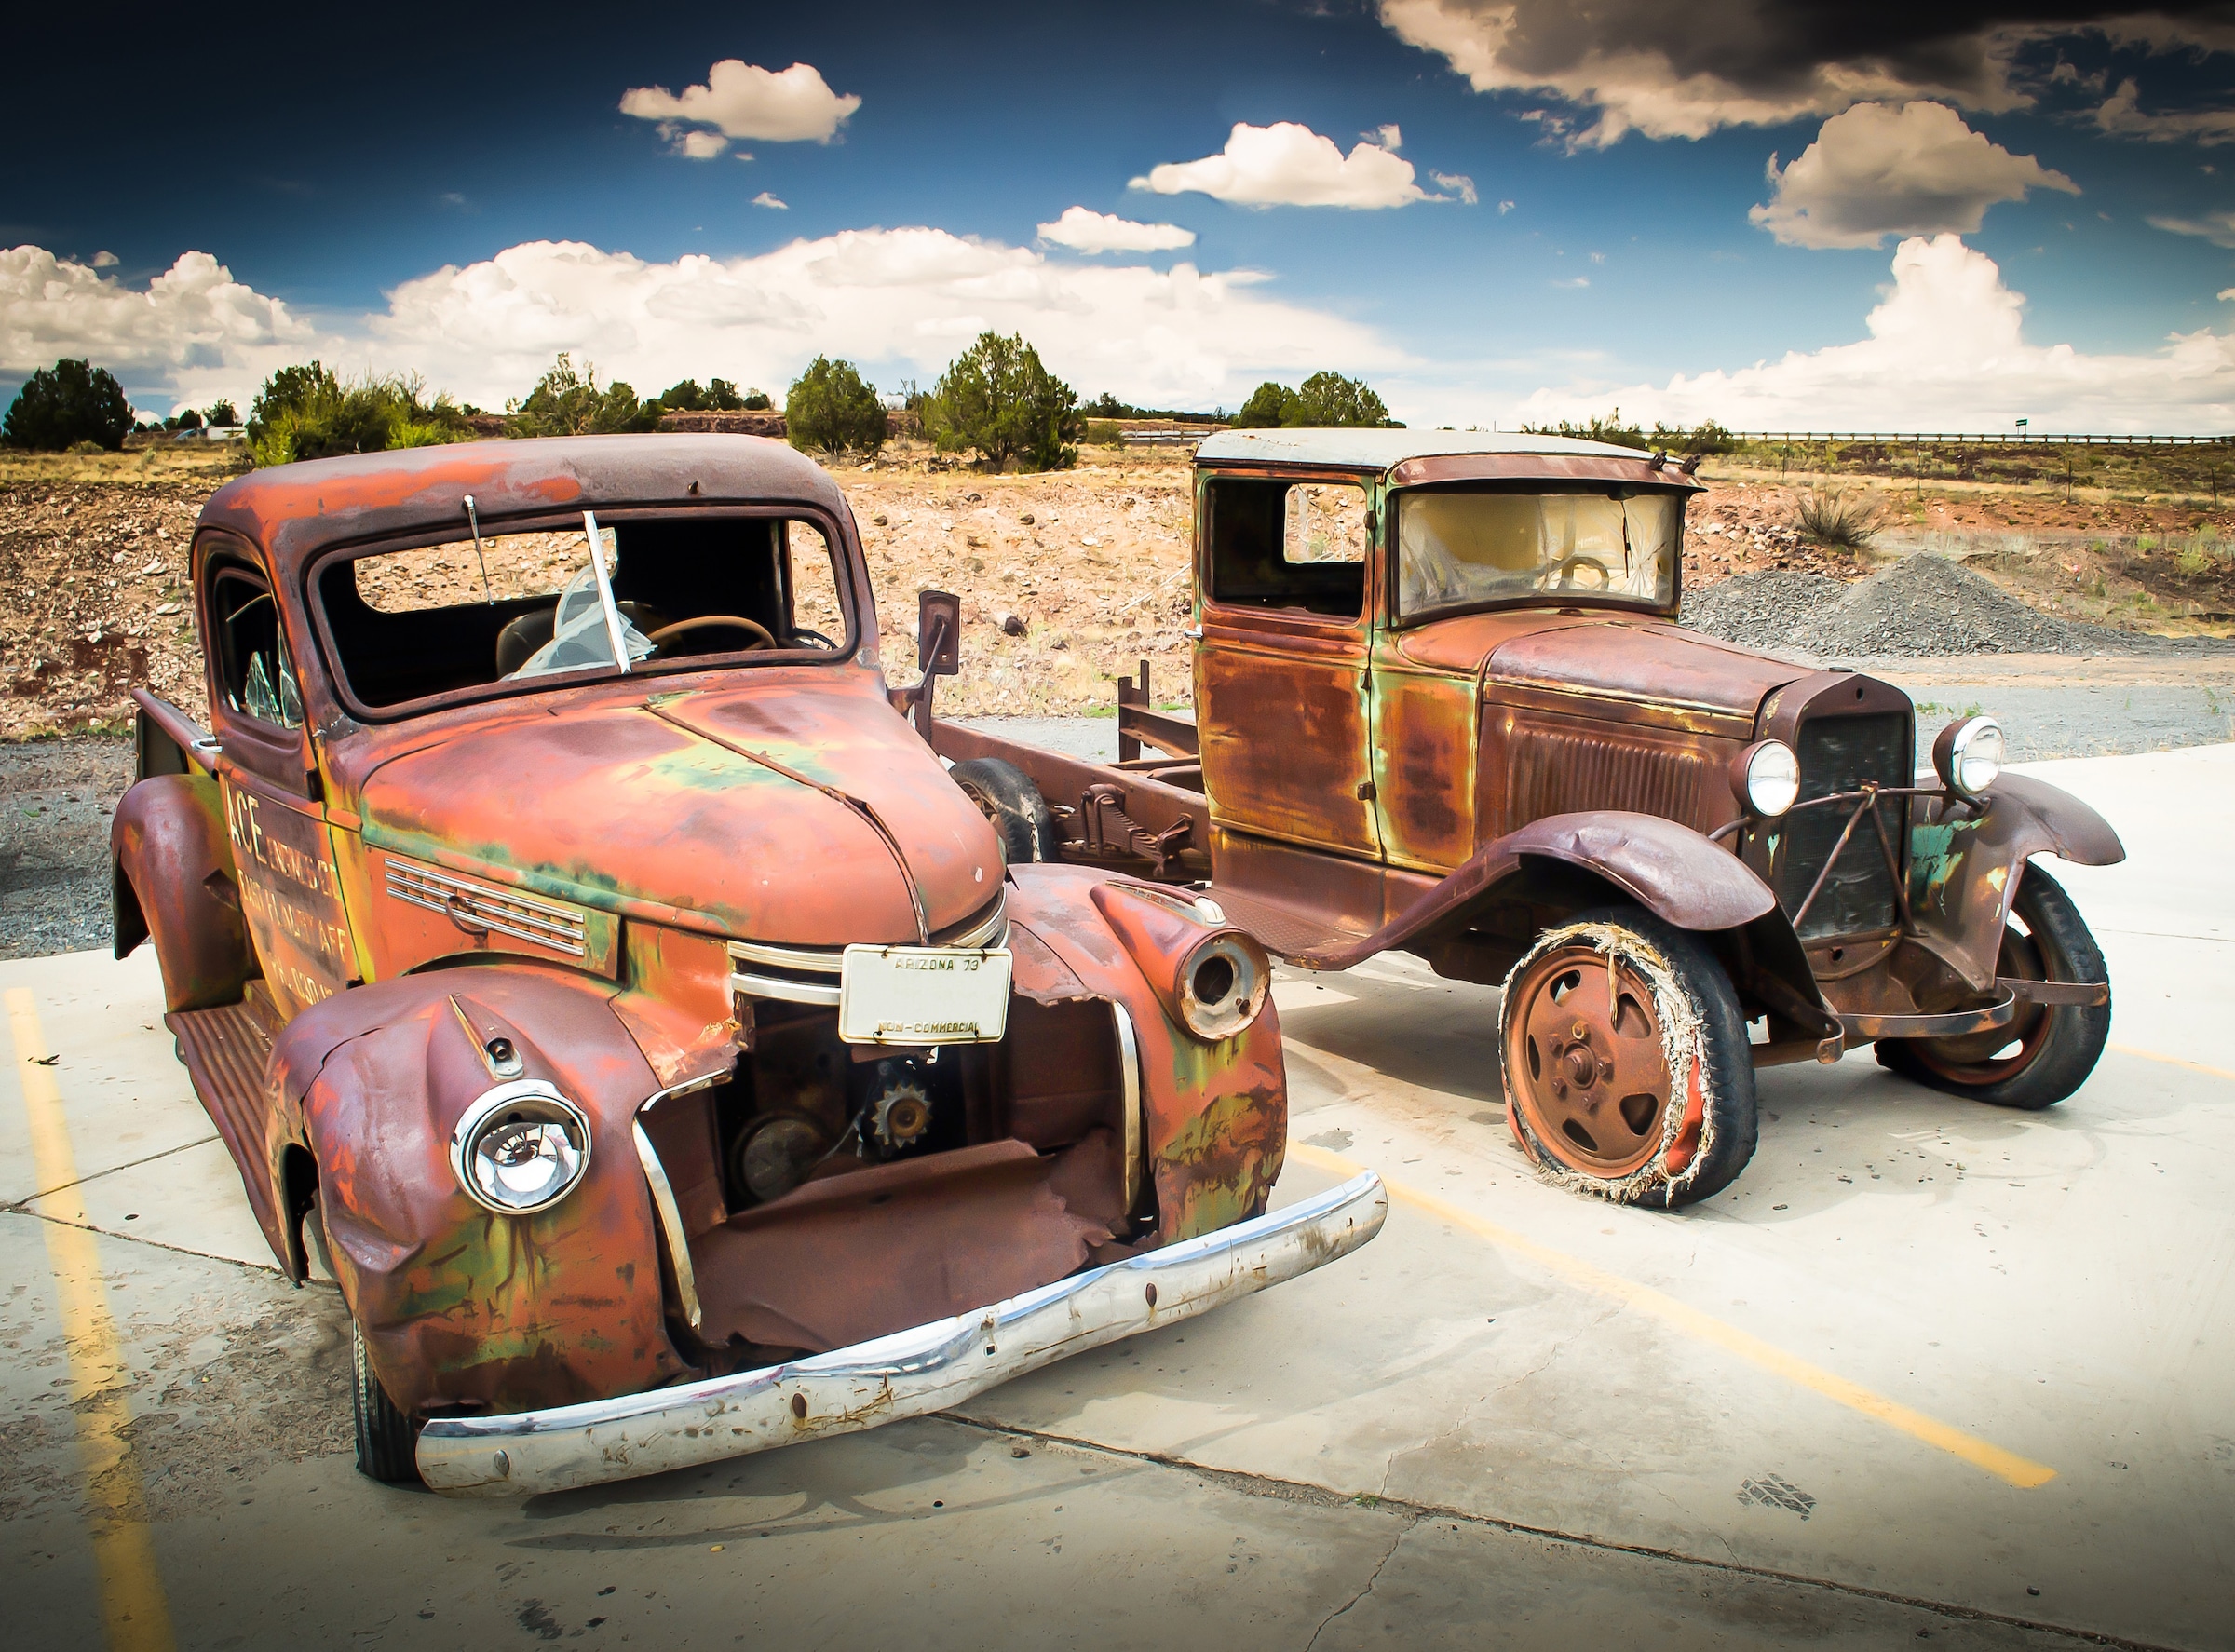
291, 893
1425, 728
177, 883
1619, 664
1159, 810
419, 913
1281, 703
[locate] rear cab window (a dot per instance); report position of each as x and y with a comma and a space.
517, 605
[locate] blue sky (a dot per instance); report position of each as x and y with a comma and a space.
328, 165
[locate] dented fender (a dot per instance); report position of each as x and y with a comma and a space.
466, 1311
1215, 1116
176, 884
1965, 866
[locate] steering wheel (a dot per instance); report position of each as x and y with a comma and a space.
763, 637
1568, 567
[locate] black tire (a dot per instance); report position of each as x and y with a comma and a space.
387, 1439
1006, 795
2048, 1052
1672, 1156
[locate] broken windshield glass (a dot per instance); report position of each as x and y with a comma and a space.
1462, 550
587, 630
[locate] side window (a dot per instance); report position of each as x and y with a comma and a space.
812, 585
1299, 546
254, 672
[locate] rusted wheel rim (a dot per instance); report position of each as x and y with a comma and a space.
1999, 1053
1584, 1061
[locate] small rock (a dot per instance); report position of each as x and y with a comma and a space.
878, 519
973, 498
1012, 625
1025, 516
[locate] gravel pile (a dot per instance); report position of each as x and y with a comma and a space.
56, 800
1921, 607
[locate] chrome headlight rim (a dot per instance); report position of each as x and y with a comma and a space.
1218, 1003
1765, 776
1965, 748
526, 1095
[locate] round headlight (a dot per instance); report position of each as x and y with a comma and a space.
1968, 755
1222, 987
519, 1148
1767, 777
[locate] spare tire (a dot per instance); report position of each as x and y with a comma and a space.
1006, 795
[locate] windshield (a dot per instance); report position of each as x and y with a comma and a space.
1461, 550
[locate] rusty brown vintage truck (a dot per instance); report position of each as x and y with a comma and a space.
583, 961
1442, 706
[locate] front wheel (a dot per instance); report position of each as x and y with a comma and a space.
2048, 1052
387, 1438
1626, 1069
1005, 796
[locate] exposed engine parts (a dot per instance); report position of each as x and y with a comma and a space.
900, 1109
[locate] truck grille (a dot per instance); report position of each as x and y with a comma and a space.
1558, 771
1838, 754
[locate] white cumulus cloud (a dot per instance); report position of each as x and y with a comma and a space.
1460, 184
766, 199
741, 99
1946, 351
194, 329
1288, 165
1085, 231
1877, 170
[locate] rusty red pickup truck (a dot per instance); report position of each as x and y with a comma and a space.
1442, 706
591, 973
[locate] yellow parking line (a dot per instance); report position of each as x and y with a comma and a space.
2003, 1465
2171, 1061
132, 1604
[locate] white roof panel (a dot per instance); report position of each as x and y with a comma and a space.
1381, 450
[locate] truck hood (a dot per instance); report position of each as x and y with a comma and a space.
1619, 656
707, 803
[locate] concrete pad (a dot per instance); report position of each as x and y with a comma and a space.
125, 1095
190, 1199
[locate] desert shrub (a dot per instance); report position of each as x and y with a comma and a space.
568, 402
222, 413
186, 419
831, 409
1268, 407
311, 413
756, 400
998, 398
1832, 517
1329, 399
1707, 437
70, 401
1105, 433
719, 396
1608, 427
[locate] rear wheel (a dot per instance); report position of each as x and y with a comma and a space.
1006, 795
1627, 1070
2048, 1052
387, 1439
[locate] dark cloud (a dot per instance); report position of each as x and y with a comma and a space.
1671, 71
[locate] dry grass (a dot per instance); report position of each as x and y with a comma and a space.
1834, 517
211, 463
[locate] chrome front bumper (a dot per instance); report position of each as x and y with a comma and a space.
908, 1374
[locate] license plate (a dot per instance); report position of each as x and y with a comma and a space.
923, 995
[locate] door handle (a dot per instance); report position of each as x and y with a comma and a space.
1194, 633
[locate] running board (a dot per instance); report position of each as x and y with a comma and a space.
225, 1052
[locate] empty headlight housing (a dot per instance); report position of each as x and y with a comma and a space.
1765, 776
1968, 755
1223, 985
520, 1148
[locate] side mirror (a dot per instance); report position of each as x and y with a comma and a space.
938, 634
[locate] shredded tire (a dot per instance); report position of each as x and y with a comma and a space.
1703, 1033
1006, 797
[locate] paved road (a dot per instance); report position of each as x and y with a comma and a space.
1928, 1371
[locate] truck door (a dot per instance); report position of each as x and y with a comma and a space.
289, 894
1282, 677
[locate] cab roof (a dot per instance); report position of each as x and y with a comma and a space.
295, 510
1411, 457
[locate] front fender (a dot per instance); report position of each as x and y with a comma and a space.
1671, 871
466, 1311
1964, 867
1215, 1116
175, 881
